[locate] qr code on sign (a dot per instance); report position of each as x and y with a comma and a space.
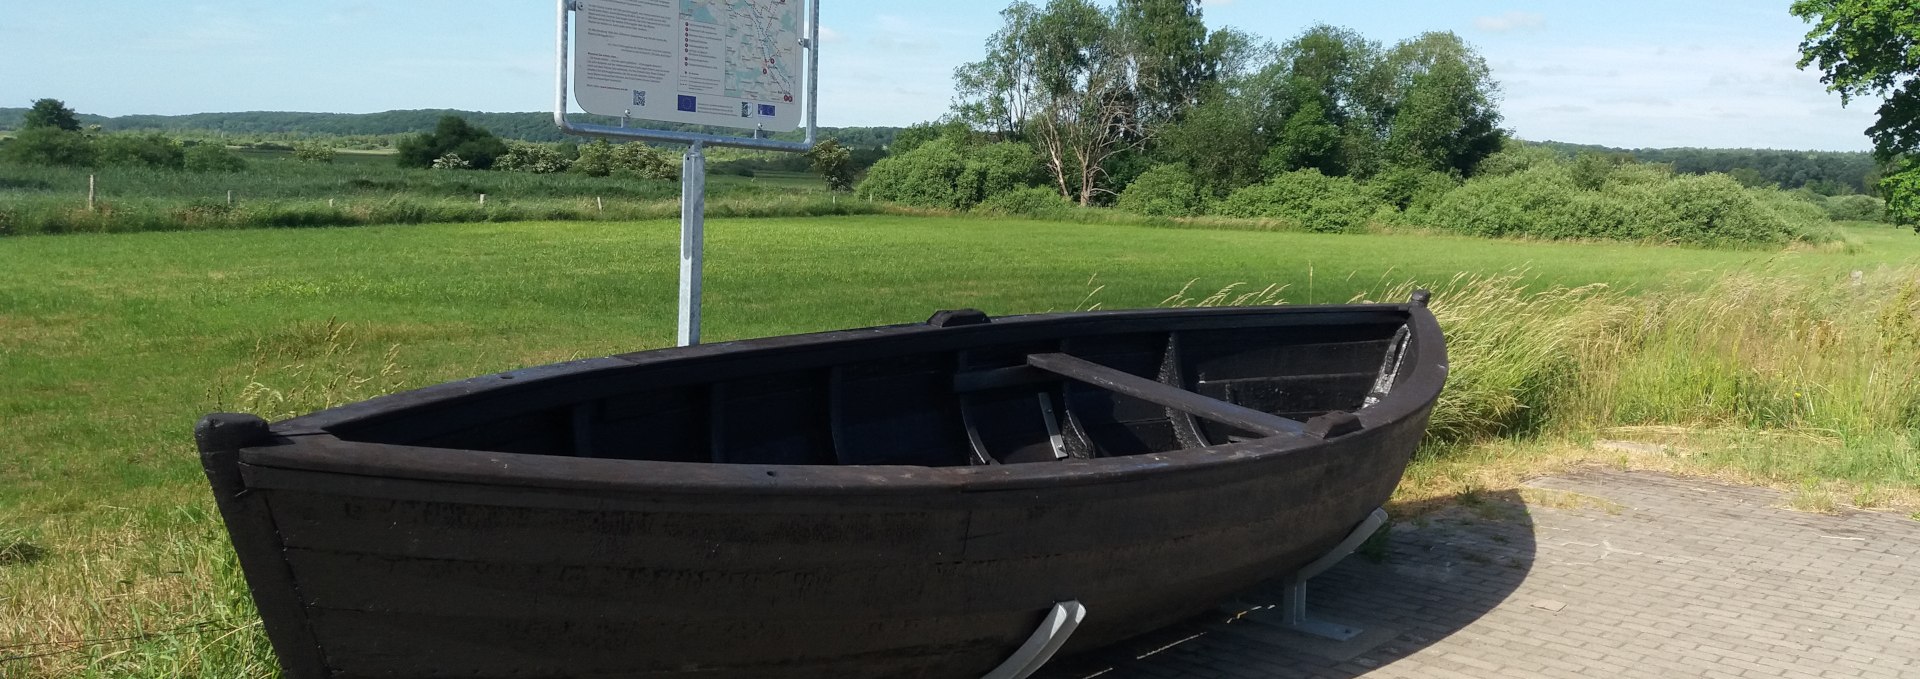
639, 97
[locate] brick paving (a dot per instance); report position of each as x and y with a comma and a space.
1593, 574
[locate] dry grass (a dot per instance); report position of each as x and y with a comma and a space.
148, 594
1806, 383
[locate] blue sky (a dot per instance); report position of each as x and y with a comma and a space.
1632, 73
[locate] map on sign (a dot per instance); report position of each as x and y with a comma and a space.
729, 63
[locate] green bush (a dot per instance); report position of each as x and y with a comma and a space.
994, 169
595, 159
1306, 197
1164, 191
941, 173
453, 136
1507, 204
640, 161
1856, 208
1030, 201
1715, 209
1639, 174
633, 159
313, 152
534, 158
1634, 203
1515, 158
1411, 189
927, 176
213, 158
50, 146
142, 150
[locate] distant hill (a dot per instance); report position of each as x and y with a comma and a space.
1821, 170
1825, 171
290, 125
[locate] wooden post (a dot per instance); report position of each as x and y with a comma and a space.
483, 200
229, 197
89, 193
329, 203
599, 205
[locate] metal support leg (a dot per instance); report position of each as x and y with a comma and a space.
1046, 640
693, 224
1293, 600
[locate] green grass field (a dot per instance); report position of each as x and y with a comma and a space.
111, 346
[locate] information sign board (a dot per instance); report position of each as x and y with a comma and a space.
726, 63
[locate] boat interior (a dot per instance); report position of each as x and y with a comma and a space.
1093, 396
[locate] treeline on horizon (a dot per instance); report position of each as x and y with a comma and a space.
298, 126
1823, 171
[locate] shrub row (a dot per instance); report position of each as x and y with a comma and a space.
1638, 205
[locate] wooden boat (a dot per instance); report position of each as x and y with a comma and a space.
903, 501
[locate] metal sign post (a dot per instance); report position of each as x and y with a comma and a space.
693, 225
694, 63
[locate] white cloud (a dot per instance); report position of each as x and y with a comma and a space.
1511, 21
1730, 95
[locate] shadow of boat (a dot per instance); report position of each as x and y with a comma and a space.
1442, 565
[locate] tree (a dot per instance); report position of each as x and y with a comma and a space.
1172, 60
453, 136
1314, 96
1061, 78
1440, 105
50, 113
1200, 142
1872, 48
834, 163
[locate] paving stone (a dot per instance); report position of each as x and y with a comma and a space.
1660, 576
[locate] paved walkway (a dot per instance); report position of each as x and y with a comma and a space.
1593, 574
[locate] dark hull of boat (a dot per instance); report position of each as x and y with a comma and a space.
370, 558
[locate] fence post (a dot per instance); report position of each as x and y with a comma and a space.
229, 197
483, 200
89, 193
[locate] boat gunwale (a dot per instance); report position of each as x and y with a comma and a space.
306, 444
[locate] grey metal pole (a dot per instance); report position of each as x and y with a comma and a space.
813, 72
693, 222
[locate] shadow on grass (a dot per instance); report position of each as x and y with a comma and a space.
1441, 565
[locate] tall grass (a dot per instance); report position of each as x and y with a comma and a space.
1768, 375
151, 593
1772, 376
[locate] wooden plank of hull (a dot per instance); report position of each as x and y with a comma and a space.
912, 586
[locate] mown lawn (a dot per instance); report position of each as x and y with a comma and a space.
111, 346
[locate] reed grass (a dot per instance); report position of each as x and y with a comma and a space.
1808, 383
283, 193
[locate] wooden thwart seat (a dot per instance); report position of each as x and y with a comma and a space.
1161, 394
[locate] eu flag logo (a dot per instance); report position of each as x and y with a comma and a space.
688, 103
